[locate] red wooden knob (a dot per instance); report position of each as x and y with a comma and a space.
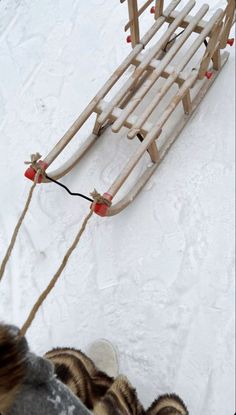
101, 209
129, 39
30, 173
209, 74
230, 42
153, 10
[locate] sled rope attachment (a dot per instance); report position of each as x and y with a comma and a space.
96, 198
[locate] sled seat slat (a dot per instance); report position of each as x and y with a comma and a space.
130, 122
155, 63
186, 21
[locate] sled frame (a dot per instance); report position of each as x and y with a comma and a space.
147, 68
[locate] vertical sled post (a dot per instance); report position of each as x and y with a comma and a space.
134, 22
229, 19
159, 8
213, 44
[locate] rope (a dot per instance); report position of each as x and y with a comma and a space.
17, 227
34, 161
97, 198
55, 278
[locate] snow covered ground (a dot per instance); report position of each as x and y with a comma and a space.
156, 280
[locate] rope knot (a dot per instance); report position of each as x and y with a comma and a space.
98, 198
34, 158
37, 165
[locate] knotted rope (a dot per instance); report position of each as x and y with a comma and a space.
97, 199
55, 278
38, 169
34, 158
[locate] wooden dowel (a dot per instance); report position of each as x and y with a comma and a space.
229, 19
153, 134
139, 71
213, 44
154, 64
216, 59
187, 103
157, 73
130, 120
91, 106
175, 74
140, 12
133, 17
185, 22
159, 6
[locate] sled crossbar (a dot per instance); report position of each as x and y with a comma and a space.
154, 72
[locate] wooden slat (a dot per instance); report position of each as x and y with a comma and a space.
159, 6
155, 63
229, 19
185, 22
130, 120
213, 44
134, 19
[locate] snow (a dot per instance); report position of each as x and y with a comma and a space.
158, 279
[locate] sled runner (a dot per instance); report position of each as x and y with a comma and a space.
183, 61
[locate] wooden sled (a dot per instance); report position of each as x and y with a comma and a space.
210, 36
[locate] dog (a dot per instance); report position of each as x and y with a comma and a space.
100, 393
168, 405
79, 373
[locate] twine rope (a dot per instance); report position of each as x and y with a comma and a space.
97, 198
55, 278
18, 226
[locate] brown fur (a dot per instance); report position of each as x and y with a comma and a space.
96, 390
13, 351
80, 374
120, 399
168, 405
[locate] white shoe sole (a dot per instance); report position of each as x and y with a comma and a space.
104, 356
